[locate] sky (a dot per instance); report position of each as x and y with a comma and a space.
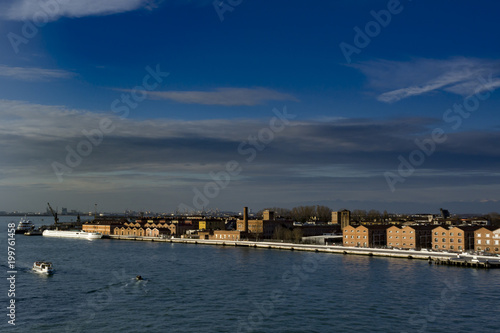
181, 105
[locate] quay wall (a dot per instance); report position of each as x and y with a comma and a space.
408, 254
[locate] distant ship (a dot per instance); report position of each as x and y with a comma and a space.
72, 234
24, 226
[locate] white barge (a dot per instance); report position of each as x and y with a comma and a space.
72, 234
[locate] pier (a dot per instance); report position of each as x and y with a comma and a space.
438, 258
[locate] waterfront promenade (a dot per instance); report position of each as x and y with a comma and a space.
443, 258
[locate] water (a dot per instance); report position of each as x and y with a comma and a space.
201, 288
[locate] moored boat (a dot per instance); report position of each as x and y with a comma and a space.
43, 267
33, 232
72, 234
24, 226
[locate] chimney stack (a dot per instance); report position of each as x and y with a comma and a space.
245, 219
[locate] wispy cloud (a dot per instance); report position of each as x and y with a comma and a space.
224, 96
34, 73
28, 9
400, 80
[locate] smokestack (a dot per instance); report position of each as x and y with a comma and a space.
245, 219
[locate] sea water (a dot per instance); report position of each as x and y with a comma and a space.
203, 288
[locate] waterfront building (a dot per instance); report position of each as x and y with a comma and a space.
105, 226
487, 239
261, 228
230, 235
365, 235
213, 224
410, 237
457, 239
178, 229
308, 230
342, 217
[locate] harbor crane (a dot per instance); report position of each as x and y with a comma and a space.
56, 219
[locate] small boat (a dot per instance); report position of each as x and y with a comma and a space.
33, 232
43, 267
24, 226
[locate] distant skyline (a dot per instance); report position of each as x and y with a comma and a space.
177, 105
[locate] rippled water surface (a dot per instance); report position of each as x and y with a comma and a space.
199, 288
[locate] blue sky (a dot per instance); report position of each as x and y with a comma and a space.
351, 104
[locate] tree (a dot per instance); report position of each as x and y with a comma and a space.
494, 218
303, 213
374, 215
323, 213
358, 215
297, 235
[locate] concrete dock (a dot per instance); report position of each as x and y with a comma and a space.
438, 258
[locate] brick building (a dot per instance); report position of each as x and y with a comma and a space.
410, 237
487, 239
365, 236
455, 239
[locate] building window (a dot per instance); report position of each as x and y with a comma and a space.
460, 234
451, 240
444, 240
451, 234
443, 234
479, 241
451, 247
436, 240
478, 235
459, 240
436, 247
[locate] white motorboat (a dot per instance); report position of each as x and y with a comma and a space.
72, 234
43, 267
24, 225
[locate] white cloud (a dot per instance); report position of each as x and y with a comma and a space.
34, 73
224, 96
400, 80
53, 9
